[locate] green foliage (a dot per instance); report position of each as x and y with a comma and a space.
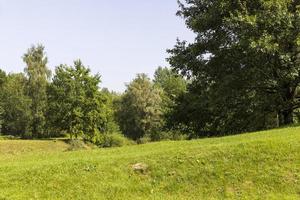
2, 78
8, 137
38, 75
172, 83
76, 144
163, 135
173, 86
75, 104
145, 139
1, 118
111, 107
140, 109
16, 106
244, 64
110, 140
2, 81
72, 104
171, 135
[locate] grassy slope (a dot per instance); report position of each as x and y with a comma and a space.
9, 148
264, 165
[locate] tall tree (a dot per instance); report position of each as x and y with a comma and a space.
171, 82
38, 75
173, 86
140, 111
112, 100
245, 58
76, 105
2, 78
1, 118
16, 113
2, 81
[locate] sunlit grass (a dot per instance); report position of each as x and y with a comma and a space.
263, 165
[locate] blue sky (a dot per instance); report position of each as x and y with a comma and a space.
116, 38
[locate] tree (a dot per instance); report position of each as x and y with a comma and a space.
140, 112
76, 106
2, 81
1, 118
245, 60
38, 75
173, 86
172, 83
111, 105
16, 113
2, 78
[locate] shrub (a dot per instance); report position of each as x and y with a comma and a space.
162, 135
144, 140
168, 135
8, 137
77, 144
176, 135
111, 140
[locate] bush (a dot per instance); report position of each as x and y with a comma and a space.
111, 140
162, 135
76, 144
144, 140
8, 137
168, 135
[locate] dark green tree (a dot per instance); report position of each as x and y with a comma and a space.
244, 63
38, 75
2, 81
1, 118
2, 78
16, 113
111, 105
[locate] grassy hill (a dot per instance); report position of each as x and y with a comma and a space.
263, 165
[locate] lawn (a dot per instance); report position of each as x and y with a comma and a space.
262, 165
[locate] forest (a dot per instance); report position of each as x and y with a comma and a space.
70, 103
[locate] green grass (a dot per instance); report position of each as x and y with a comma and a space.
13, 148
263, 165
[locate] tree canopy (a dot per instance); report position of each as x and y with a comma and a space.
244, 62
241, 73
140, 112
76, 105
38, 75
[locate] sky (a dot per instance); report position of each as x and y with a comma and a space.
115, 38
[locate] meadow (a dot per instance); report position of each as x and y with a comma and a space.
261, 165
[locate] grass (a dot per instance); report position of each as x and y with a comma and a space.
262, 165
15, 148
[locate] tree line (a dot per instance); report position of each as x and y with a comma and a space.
241, 73
70, 102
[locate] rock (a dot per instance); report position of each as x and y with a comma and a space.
172, 173
140, 167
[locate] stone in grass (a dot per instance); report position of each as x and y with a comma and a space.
140, 167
